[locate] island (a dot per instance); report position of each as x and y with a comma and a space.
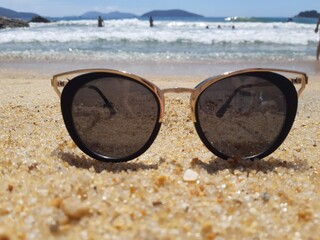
171, 13
308, 14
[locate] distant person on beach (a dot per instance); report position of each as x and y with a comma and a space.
151, 21
100, 21
317, 30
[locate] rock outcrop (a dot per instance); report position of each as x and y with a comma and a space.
39, 19
12, 23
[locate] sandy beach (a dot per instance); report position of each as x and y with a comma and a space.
50, 190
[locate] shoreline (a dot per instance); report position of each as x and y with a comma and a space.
158, 68
49, 189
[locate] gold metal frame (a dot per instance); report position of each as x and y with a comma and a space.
295, 77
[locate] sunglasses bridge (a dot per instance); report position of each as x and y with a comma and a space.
178, 90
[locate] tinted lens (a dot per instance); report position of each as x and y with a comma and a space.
114, 116
241, 116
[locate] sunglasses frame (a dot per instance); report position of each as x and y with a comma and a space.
80, 79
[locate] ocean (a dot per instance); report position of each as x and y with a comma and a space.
214, 41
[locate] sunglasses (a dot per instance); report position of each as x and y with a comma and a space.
115, 116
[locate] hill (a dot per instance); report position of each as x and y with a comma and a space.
170, 13
111, 15
4, 12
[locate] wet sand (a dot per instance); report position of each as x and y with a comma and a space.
50, 190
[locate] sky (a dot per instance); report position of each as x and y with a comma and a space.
208, 8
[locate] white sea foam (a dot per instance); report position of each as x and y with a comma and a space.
177, 39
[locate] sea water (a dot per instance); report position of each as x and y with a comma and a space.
197, 40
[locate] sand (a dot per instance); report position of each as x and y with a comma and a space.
177, 190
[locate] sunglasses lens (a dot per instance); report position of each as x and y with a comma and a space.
242, 116
112, 116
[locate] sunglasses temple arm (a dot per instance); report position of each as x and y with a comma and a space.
303, 81
108, 104
56, 85
225, 106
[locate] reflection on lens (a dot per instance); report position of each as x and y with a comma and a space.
114, 117
241, 116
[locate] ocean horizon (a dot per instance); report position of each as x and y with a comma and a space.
208, 40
